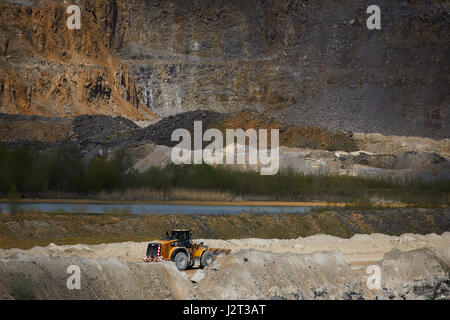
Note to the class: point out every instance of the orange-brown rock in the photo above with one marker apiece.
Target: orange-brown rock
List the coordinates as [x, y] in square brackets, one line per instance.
[47, 69]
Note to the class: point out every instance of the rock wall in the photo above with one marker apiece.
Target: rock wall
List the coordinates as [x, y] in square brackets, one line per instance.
[47, 69]
[306, 62]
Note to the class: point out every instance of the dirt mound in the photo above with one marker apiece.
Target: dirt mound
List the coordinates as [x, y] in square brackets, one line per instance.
[358, 250]
[251, 274]
[421, 274]
[290, 136]
[44, 277]
[100, 128]
[161, 132]
[257, 269]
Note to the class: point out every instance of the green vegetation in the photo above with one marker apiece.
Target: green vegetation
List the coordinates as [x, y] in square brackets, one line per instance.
[29, 229]
[26, 171]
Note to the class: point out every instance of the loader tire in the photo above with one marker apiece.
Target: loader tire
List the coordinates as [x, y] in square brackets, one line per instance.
[181, 260]
[207, 259]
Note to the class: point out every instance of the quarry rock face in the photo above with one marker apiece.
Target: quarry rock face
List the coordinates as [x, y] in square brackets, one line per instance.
[304, 62]
[47, 69]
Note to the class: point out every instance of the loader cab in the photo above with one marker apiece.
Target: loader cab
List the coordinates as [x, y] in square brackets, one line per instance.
[184, 237]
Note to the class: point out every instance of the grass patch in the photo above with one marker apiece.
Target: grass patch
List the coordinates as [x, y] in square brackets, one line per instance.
[26, 230]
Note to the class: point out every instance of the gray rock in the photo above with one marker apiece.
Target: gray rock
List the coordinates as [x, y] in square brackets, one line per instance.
[198, 276]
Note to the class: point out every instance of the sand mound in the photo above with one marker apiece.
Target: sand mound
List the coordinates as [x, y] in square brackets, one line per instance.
[358, 250]
[317, 267]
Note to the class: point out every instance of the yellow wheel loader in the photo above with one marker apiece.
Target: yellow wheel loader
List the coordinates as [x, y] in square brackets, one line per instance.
[179, 248]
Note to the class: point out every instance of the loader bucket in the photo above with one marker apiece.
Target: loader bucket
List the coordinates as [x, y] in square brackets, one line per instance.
[220, 251]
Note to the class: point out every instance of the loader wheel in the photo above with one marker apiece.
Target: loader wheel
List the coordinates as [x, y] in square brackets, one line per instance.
[181, 260]
[207, 259]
